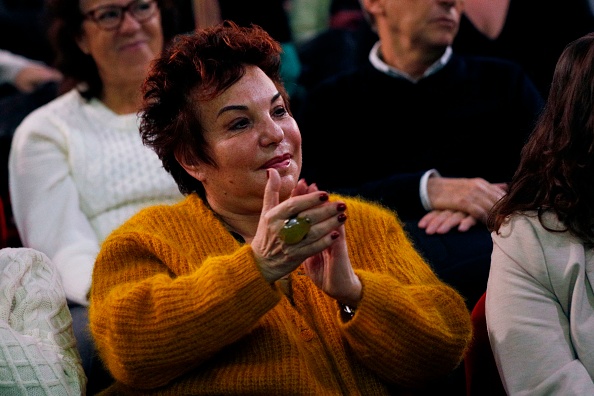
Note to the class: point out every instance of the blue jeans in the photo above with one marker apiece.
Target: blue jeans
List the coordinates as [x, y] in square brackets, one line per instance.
[98, 378]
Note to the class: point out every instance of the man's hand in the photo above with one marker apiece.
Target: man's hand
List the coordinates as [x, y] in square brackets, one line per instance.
[459, 202]
[442, 221]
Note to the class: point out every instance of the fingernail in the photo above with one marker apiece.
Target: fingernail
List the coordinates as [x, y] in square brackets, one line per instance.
[341, 207]
[342, 218]
[323, 197]
[334, 235]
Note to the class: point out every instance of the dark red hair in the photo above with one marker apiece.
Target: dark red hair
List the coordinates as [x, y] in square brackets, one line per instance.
[196, 67]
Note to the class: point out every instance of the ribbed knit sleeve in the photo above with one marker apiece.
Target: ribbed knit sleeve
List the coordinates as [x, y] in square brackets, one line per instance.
[410, 327]
[165, 318]
[178, 306]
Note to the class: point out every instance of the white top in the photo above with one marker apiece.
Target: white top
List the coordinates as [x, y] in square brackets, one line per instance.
[540, 309]
[11, 64]
[77, 171]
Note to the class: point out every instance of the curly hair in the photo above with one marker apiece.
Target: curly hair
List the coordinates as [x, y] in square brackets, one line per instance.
[64, 21]
[556, 170]
[197, 67]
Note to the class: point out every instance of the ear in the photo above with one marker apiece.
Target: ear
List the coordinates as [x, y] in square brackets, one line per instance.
[194, 170]
[83, 43]
[374, 7]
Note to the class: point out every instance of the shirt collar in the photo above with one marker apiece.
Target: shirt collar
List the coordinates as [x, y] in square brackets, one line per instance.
[379, 64]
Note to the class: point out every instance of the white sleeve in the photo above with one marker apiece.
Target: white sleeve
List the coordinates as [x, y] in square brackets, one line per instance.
[425, 201]
[528, 328]
[11, 64]
[45, 202]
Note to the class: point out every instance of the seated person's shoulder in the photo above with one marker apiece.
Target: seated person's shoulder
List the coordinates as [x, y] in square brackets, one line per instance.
[344, 80]
[62, 107]
[489, 65]
[529, 223]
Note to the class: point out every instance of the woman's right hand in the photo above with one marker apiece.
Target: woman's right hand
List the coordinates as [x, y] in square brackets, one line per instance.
[275, 257]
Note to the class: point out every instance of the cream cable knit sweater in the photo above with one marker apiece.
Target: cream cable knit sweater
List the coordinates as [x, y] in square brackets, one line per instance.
[77, 171]
[38, 354]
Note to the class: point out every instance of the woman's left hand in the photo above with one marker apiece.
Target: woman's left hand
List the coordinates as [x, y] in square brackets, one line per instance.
[279, 251]
[323, 249]
[331, 270]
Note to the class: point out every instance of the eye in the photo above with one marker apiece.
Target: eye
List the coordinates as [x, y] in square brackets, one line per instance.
[241, 123]
[279, 111]
[108, 14]
[142, 7]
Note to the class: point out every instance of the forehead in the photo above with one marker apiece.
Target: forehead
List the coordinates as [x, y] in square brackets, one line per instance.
[254, 83]
[255, 88]
[91, 4]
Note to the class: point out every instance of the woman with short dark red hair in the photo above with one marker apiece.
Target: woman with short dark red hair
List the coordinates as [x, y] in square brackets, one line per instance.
[258, 282]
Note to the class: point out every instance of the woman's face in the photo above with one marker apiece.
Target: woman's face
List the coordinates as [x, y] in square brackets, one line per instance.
[123, 54]
[248, 129]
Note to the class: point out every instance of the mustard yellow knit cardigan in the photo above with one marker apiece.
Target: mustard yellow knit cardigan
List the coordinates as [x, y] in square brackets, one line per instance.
[178, 307]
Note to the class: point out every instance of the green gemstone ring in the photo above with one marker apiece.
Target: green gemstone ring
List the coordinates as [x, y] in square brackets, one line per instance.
[295, 229]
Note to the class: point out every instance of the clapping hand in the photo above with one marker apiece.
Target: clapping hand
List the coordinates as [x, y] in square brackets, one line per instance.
[323, 249]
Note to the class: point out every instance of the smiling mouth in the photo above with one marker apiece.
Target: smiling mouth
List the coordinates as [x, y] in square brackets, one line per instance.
[278, 162]
[130, 45]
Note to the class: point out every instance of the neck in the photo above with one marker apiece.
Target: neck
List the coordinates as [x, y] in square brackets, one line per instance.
[244, 224]
[409, 58]
[123, 99]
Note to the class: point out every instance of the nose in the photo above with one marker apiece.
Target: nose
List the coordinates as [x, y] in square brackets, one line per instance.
[456, 5]
[272, 133]
[129, 22]
[450, 3]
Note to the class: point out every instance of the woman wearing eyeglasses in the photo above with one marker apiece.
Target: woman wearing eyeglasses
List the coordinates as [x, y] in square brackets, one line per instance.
[77, 167]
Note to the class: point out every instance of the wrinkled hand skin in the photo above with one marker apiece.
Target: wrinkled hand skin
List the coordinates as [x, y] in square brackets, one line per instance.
[323, 251]
[459, 203]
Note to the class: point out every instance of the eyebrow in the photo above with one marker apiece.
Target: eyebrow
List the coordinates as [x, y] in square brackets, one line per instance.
[241, 107]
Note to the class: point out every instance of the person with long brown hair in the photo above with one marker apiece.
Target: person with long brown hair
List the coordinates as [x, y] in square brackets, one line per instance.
[539, 294]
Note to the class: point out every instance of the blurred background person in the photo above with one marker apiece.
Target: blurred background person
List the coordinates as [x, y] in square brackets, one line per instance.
[77, 166]
[539, 296]
[340, 44]
[413, 120]
[272, 16]
[25, 84]
[23, 25]
[532, 33]
[25, 74]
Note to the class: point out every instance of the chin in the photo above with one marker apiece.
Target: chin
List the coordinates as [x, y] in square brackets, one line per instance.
[288, 183]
